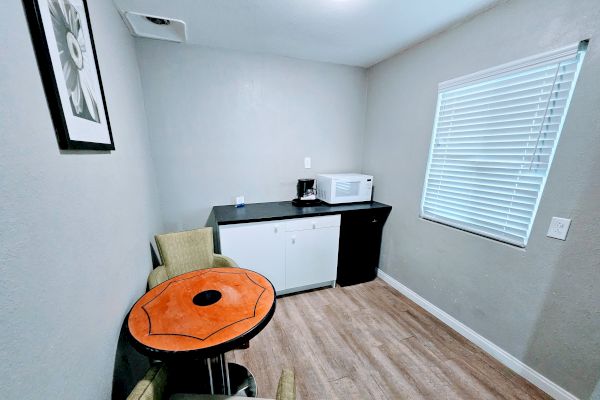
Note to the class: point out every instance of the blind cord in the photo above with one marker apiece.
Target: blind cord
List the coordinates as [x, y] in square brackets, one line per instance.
[537, 143]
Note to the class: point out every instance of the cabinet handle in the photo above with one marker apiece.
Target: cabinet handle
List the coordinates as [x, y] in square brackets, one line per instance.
[374, 221]
[276, 229]
[293, 239]
[314, 225]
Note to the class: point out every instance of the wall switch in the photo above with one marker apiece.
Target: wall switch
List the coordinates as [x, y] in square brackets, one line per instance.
[558, 228]
[239, 201]
[307, 162]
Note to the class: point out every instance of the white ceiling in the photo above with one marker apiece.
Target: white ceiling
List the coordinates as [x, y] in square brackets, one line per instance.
[353, 32]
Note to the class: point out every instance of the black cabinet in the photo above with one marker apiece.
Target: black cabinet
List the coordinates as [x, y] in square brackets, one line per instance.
[360, 244]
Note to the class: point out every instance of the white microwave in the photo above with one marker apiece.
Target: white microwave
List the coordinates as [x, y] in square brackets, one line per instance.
[344, 188]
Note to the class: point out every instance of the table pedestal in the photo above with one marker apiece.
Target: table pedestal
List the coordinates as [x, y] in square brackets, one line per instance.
[241, 381]
[230, 378]
[212, 376]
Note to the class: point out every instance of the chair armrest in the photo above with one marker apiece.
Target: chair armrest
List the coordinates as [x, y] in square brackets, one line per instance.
[221, 261]
[286, 389]
[152, 386]
[157, 276]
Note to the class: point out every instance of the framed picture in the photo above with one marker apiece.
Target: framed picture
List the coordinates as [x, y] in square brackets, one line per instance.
[62, 37]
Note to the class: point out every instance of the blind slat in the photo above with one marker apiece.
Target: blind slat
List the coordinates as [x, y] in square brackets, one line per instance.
[486, 190]
[495, 135]
[486, 185]
[492, 152]
[487, 163]
[501, 219]
[485, 196]
[539, 115]
[497, 160]
[470, 172]
[496, 108]
[512, 213]
[545, 91]
[450, 131]
[507, 101]
[489, 201]
[515, 116]
[500, 146]
[493, 179]
[492, 141]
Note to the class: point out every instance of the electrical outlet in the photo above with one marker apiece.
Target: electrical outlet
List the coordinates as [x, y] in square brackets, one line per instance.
[558, 228]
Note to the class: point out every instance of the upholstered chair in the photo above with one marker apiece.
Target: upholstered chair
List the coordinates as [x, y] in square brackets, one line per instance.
[186, 251]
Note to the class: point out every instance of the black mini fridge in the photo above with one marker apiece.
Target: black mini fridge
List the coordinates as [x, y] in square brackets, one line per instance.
[360, 245]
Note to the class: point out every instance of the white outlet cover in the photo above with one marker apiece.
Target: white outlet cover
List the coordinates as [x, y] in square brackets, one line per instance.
[239, 201]
[558, 228]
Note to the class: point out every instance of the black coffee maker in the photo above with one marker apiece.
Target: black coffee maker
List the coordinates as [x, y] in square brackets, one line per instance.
[306, 193]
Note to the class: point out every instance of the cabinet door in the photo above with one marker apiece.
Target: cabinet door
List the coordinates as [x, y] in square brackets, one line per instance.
[311, 256]
[258, 246]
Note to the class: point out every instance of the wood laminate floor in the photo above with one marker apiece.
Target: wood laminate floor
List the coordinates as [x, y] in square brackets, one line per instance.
[370, 342]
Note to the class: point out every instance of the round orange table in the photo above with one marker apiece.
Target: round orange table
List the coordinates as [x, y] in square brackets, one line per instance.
[201, 315]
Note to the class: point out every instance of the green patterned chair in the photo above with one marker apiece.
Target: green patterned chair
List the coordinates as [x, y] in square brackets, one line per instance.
[155, 386]
[186, 251]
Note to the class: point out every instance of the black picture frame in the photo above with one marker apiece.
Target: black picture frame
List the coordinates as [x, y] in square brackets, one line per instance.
[49, 80]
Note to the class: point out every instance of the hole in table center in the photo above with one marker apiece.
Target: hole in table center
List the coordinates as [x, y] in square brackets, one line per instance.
[207, 297]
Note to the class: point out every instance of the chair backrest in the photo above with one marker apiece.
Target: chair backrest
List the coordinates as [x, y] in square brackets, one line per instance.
[186, 251]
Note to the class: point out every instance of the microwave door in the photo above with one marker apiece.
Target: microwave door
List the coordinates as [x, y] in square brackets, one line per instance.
[347, 191]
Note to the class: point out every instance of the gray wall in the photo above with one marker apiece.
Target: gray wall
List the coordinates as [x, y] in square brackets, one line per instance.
[540, 304]
[227, 123]
[74, 227]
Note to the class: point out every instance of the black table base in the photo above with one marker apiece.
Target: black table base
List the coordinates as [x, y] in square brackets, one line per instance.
[241, 381]
[211, 376]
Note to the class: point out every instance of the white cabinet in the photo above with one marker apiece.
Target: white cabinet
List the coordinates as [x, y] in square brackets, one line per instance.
[259, 246]
[311, 257]
[294, 254]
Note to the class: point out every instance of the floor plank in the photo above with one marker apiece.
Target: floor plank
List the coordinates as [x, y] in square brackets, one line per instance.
[368, 341]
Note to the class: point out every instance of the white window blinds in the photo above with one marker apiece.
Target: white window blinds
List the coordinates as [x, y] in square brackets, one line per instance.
[494, 137]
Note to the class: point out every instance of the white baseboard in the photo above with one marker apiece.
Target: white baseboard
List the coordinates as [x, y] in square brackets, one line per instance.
[499, 354]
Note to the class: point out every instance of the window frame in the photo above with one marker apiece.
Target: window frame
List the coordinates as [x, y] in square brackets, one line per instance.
[578, 50]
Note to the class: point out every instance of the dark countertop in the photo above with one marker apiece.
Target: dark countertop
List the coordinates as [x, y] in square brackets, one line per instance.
[224, 215]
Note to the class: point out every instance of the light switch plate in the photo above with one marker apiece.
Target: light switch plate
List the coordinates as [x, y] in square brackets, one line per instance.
[558, 228]
[307, 162]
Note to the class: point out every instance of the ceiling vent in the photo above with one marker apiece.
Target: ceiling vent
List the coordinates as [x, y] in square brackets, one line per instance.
[155, 27]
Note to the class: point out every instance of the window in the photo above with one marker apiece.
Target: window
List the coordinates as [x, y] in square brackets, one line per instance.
[494, 137]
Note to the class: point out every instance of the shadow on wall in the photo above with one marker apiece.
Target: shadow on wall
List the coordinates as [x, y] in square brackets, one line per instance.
[566, 336]
[155, 259]
[130, 365]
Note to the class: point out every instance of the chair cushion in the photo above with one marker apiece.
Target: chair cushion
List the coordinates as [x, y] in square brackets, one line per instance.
[286, 389]
[187, 251]
[152, 386]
